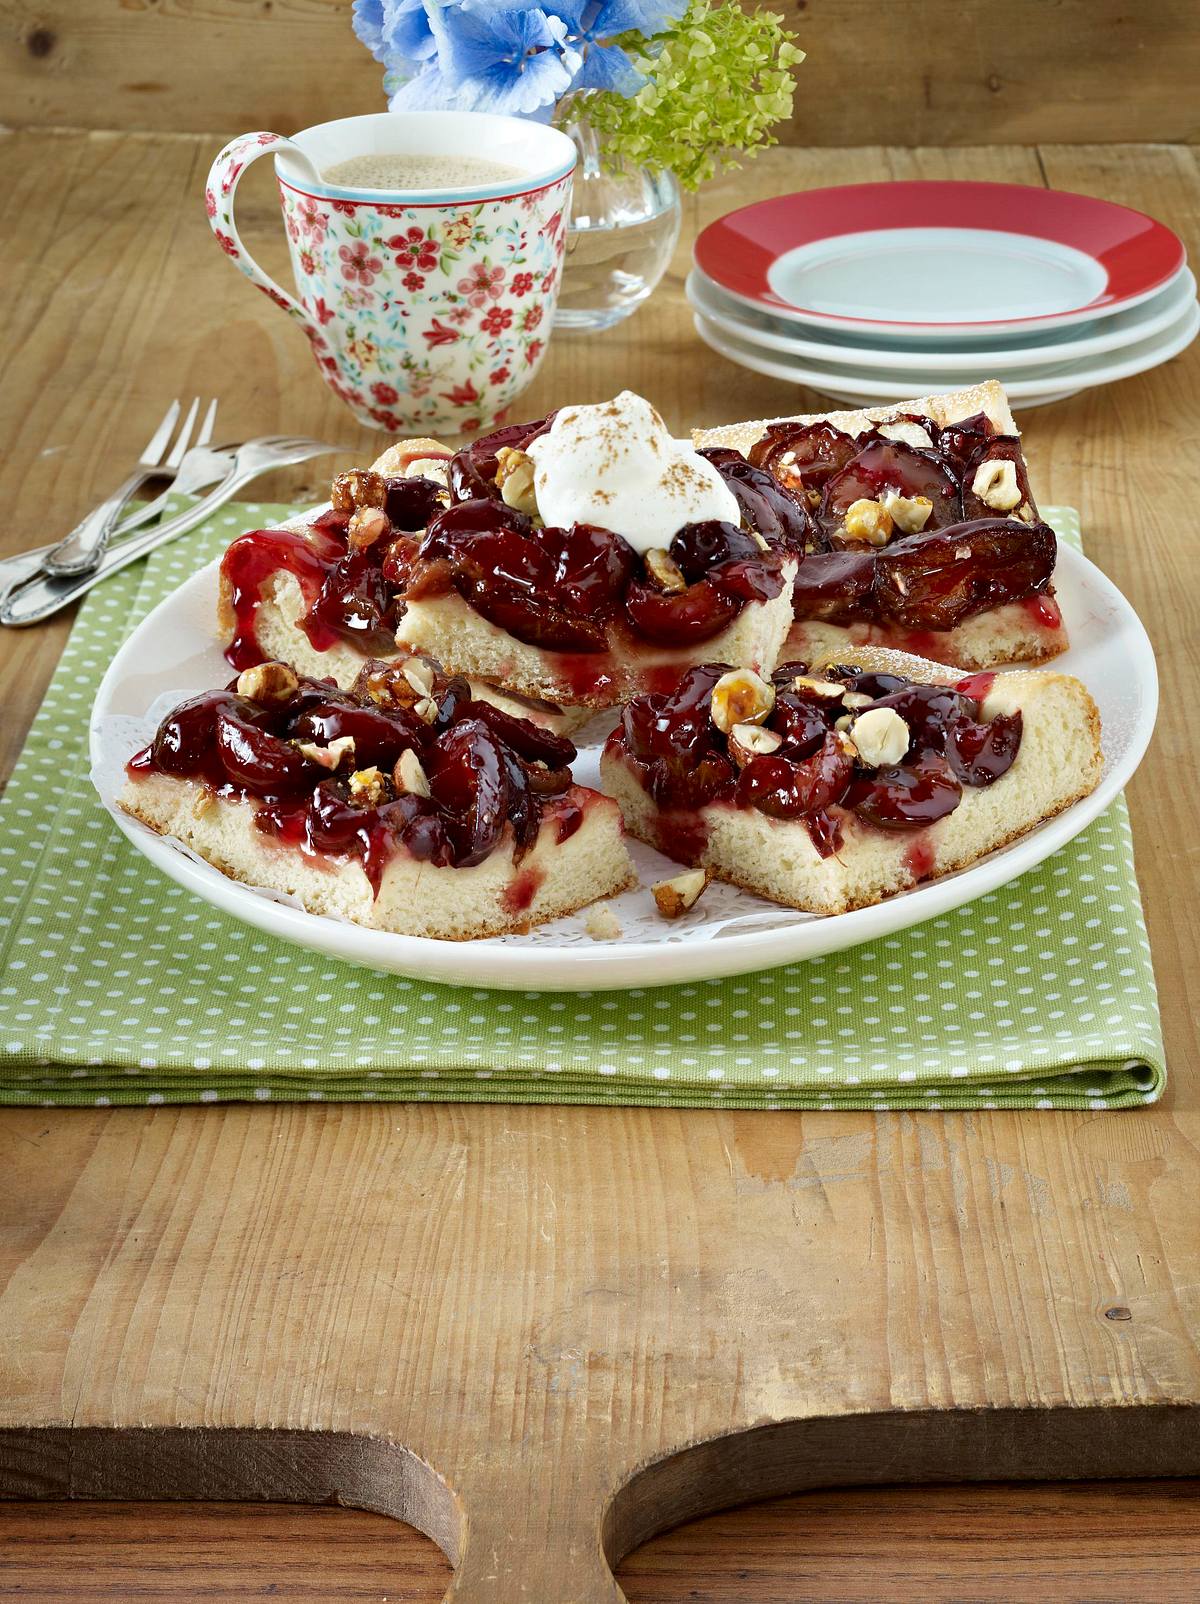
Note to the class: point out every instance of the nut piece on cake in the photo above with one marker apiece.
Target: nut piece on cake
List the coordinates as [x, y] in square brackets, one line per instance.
[868, 775]
[460, 825]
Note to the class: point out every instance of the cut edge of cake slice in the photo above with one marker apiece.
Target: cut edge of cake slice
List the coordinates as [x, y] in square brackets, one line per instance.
[1059, 762]
[281, 638]
[554, 878]
[467, 643]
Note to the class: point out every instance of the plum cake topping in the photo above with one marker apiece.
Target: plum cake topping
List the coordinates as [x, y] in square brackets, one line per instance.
[894, 752]
[911, 523]
[406, 759]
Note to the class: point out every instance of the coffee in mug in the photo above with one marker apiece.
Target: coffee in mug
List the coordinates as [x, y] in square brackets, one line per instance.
[408, 170]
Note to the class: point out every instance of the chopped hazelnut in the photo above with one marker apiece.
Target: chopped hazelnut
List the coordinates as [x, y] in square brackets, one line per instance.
[367, 526]
[747, 741]
[910, 514]
[426, 709]
[368, 787]
[741, 697]
[664, 570]
[881, 737]
[268, 682]
[409, 777]
[514, 479]
[856, 699]
[420, 675]
[907, 432]
[602, 923]
[361, 487]
[328, 757]
[867, 521]
[995, 483]
[202, 802]
[825, 690]
[674, 897]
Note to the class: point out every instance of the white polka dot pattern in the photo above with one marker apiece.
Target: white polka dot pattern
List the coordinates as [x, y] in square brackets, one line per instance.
[119, 988]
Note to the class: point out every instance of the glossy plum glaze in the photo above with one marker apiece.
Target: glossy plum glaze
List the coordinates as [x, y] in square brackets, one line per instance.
[350, 593]
[965, 559]
[685, 762]
[485, 769]
[585, 591]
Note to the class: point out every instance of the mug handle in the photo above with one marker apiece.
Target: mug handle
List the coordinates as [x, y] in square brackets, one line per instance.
[223, 178]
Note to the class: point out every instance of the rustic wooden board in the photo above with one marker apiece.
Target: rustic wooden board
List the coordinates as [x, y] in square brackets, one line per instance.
[541, 1334]
[904, 72]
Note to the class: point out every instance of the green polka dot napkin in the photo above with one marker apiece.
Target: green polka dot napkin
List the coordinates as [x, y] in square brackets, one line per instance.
[118, 987]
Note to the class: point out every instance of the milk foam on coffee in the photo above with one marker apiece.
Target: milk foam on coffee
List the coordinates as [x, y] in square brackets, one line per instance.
[404, 172]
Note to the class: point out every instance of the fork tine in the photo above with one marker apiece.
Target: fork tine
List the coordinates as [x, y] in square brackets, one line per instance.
[185, 434]
[206, 429]
[152, 455]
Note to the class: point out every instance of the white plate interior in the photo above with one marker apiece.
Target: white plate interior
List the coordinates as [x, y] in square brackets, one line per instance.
[842, 376]
[1001, 361]
[937, 275]
[947, 336]
[173, 653]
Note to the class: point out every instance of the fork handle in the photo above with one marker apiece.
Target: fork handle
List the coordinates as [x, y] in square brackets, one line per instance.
[79, 551]
[45, 596]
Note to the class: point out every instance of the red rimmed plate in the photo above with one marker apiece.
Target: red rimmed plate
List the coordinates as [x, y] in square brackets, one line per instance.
[952, 259]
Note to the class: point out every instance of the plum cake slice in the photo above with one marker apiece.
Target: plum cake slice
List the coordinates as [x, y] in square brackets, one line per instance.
[922, 531]
[320, 592]
[578, 559]
[832, 787]
[403, 804]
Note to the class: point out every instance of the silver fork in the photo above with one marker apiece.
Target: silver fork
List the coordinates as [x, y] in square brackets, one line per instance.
[82, 549]
[44, 595]
[199, 471]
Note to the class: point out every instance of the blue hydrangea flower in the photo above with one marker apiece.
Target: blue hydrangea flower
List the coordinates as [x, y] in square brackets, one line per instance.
[396, 32]
[591, 22]
[512, 58]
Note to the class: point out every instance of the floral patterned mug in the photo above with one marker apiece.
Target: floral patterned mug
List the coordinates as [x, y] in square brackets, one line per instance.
[425, 310]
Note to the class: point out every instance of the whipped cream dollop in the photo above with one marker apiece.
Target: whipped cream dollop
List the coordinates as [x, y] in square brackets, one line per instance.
[617, 465]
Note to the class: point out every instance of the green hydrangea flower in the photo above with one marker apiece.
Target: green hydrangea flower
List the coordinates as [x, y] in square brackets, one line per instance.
[720, 81]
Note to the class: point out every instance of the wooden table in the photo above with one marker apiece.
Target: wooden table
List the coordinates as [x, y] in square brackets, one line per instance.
[907, 1297]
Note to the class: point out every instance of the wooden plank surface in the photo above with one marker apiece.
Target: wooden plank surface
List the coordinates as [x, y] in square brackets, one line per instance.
[1065, 1541]
[538, 1302]
[902, 72]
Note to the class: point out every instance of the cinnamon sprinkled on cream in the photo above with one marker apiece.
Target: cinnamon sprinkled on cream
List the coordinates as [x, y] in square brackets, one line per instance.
[617, 465]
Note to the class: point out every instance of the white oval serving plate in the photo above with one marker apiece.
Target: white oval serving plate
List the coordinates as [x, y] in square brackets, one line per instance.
[173, 653]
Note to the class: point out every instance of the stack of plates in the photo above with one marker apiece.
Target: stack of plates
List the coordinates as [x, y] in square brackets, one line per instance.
[877, 292]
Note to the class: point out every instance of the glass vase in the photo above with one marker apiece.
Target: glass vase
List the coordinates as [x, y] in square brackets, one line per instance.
[623, 228]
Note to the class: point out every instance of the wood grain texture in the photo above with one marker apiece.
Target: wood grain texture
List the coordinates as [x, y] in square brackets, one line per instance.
[1065, 1541]
[501, 1323]
[904, 72]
